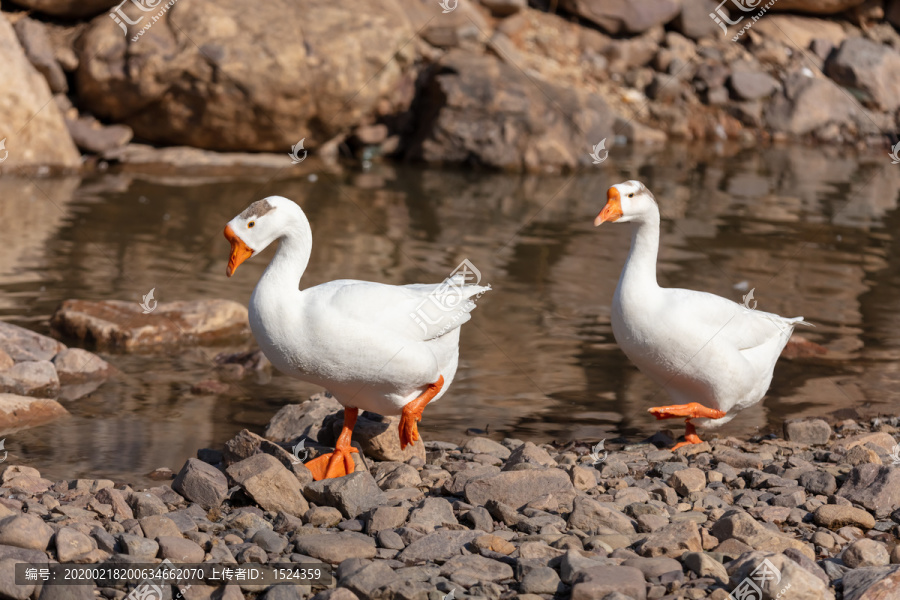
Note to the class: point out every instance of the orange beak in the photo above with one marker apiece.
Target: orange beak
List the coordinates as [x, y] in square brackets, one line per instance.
[239, 251]
[613, 209]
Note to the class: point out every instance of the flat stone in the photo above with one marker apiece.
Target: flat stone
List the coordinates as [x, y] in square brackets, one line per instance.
[36, 379]
[352, 494]
[537, 579]
[270, 484]
[121, 325]
[818, 482]
[74, 366]
[137, 546]
[742, 527]
[438, 546]
[517, 488]
[469, 569]
[753, 85]
[590, 516]
[653, 566]
[706, 566]
[179, 550]
[599, 581]
[323, 516]
[201, 483]
[336, 547]
[812, 432]
[687, 481]
[145, 504]
[530, 456]
[835, 516]
[363, 577]
[433, 513]
[386, 517]
[482, 445]
[21, 412]
[24, 345]
[269, 541]
[159, 525]
[25, 531]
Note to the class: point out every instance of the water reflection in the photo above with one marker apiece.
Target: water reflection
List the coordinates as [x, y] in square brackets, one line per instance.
[812, 232]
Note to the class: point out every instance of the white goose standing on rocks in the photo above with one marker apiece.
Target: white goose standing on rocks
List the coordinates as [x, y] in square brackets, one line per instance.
[713, 356]
[388, 349]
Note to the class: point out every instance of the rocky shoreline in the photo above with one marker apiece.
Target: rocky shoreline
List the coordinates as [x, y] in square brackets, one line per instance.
[502, 84]
[816, 512]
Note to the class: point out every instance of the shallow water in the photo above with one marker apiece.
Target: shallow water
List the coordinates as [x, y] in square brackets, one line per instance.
[812, 231]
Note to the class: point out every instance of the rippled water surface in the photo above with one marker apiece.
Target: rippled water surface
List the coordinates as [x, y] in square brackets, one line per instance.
[813, 232]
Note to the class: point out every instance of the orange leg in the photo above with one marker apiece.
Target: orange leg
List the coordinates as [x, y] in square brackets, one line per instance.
[339, 462]
[690, 411]
[412, 412]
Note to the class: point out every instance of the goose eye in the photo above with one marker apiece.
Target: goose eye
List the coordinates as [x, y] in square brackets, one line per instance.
[631, 195]
[251, 224]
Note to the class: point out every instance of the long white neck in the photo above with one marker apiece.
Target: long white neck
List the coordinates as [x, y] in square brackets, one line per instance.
[291, 258]
[640, 268]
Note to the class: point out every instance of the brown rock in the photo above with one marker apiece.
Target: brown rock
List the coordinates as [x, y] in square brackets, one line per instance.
[378, 437]
[74, 365]
[865, 553]
[34, 137]
[874, 487]
[270, 484]
[123, 326]
[742, 527]
[294, 421]
[20, 412]
[814, 432]
[517, 488]
[348, 64]
[673, 540]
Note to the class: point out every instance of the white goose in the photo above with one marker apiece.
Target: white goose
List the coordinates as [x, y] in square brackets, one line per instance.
[383, 348]
[713, 356]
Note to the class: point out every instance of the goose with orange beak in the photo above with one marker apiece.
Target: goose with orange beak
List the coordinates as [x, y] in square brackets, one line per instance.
[388, 349]
[714, 357]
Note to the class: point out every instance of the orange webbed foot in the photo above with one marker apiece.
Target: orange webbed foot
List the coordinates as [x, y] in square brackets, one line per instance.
[412, 412]
[334, 464]
[690, 437]
[692, 410]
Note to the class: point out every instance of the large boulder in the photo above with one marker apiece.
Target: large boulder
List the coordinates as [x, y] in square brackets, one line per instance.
[34, 133]
[870, 70]
[480, 110]
[20, 412]
[808, 105]
[69, 9]
[213, 74]
[625, 16]
[127, 326]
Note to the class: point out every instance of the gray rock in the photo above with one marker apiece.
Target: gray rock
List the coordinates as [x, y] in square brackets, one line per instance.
[352, 494]
[807, 105]
[706, 566]
[818, 482]
[592, 517]
[794, 580]
[874, 487]
[92, 136]
[599, 581]
[270, 484]
[8, 587]
[72, 544]
[299, 592]
[518, 488]
[145, 504]
[363, 577]
[625, 16]
[378, 437]
[742, 527]
[432, 513]
[438, 546]
[870, 582]
[116, 499]
[693, 21]
[538, 579]
[269, 541]
[179, 550]
[870, 69]
[201, 483]
[753, 85]
[481, 445]
[295, 421]
[68, 592]
[865, 553]
[246, 444]
[137, 546]
[687, 481]
[387, 517]
[653, 567]
[336, 547]
[812, 432]
[35, 379]
[396, 475]
[390, 539]
[159, 525]
[528, 455]
[469, 569]
[25, 531]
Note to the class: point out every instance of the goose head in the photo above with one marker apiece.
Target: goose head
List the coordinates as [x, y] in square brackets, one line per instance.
[628, 201]
[259, 225]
